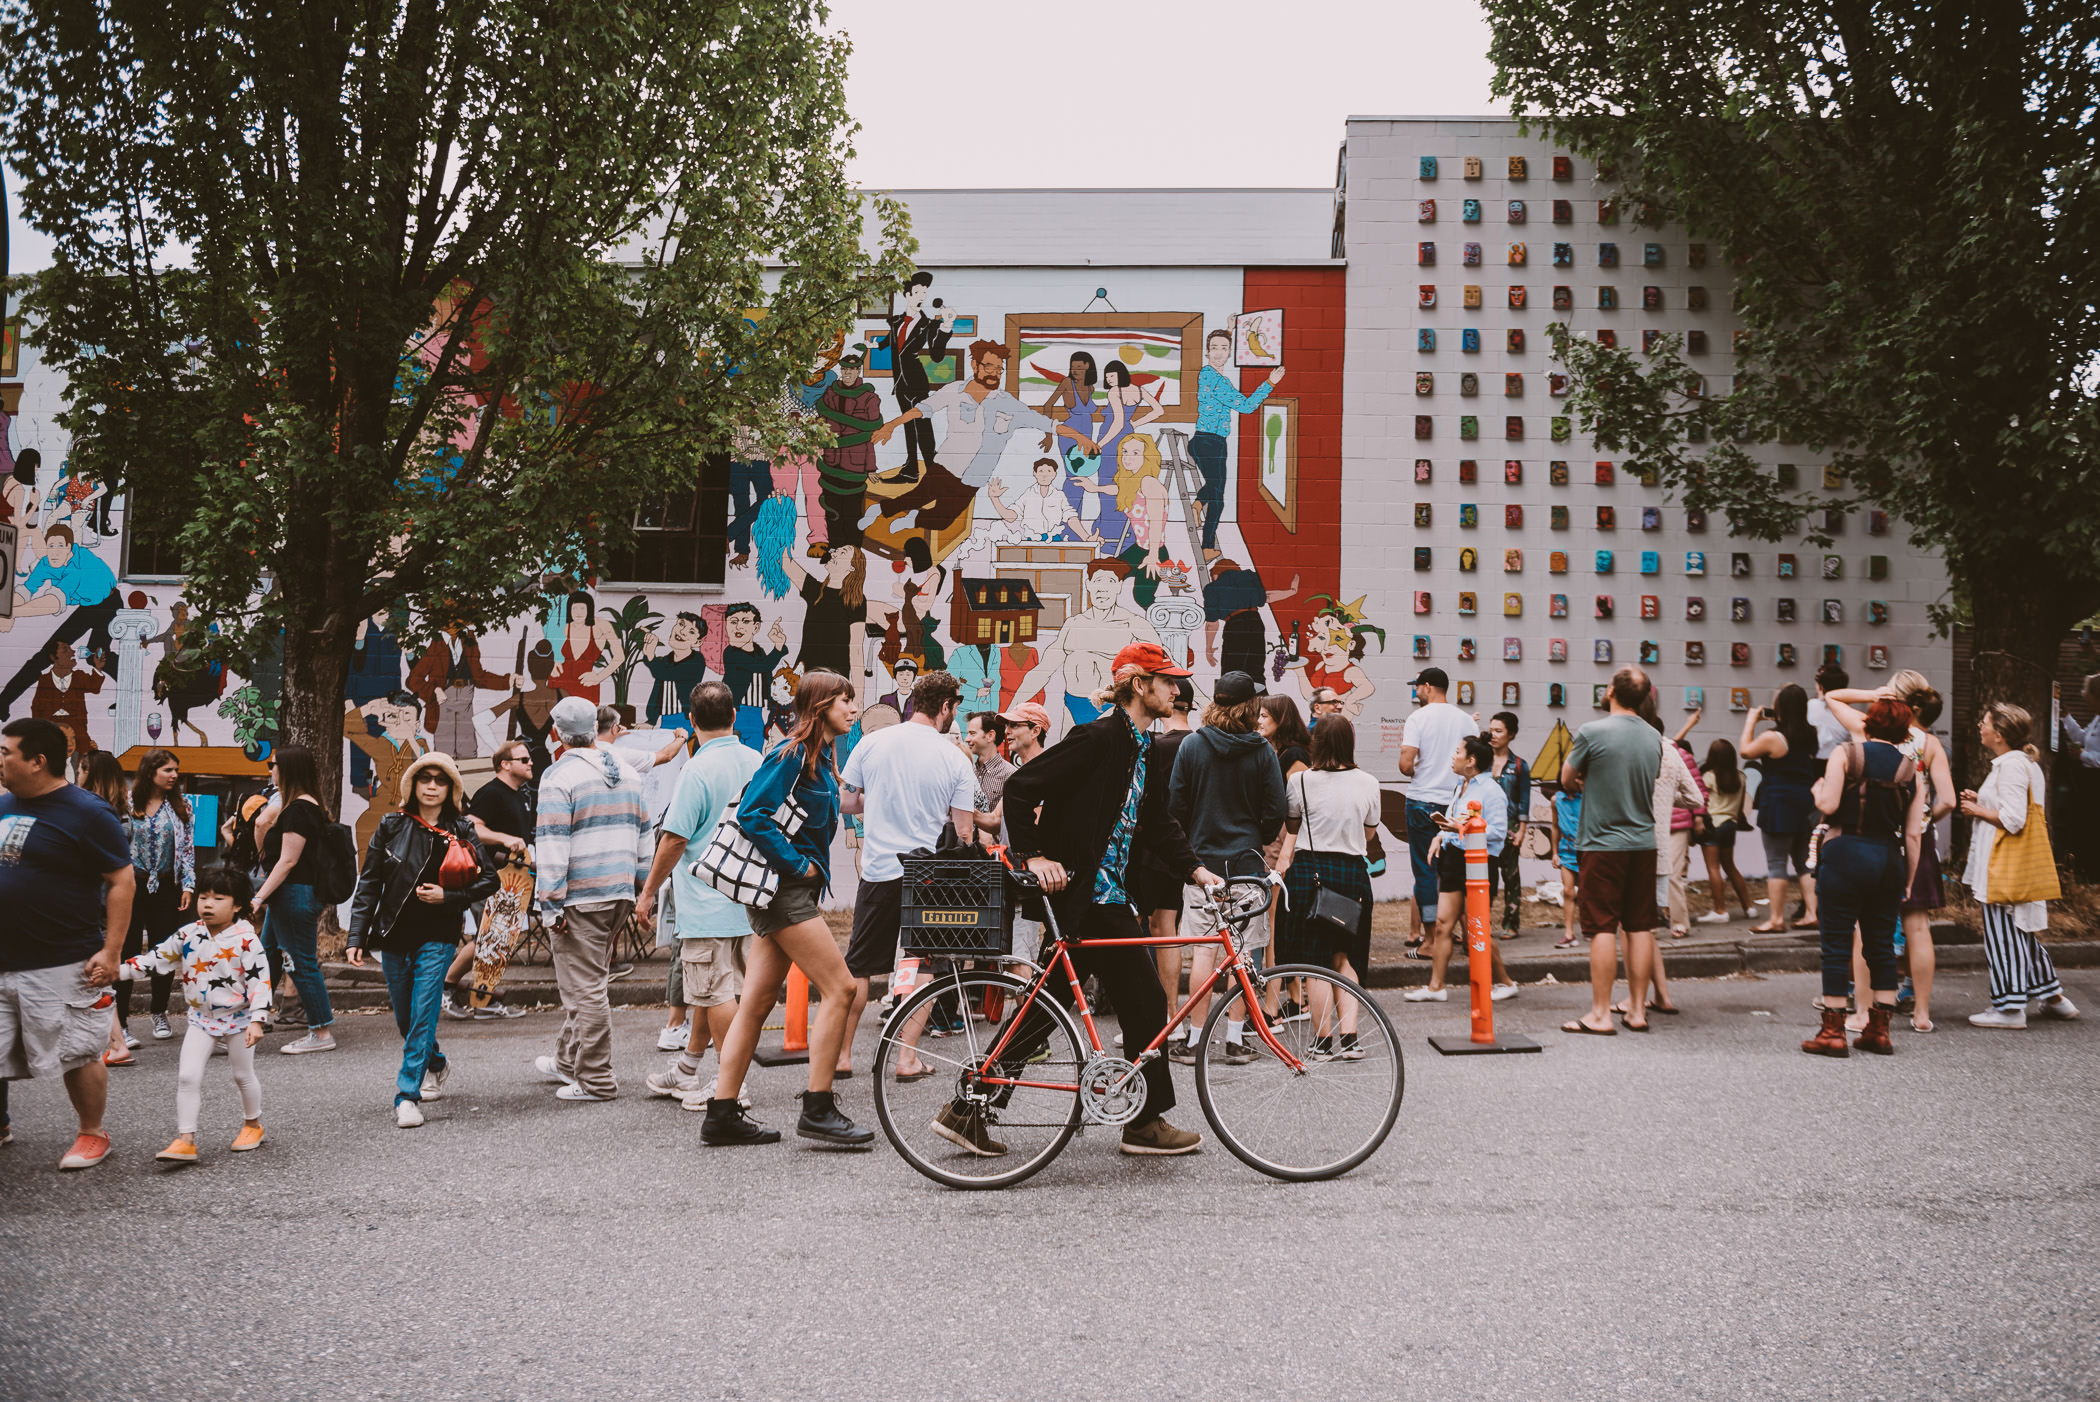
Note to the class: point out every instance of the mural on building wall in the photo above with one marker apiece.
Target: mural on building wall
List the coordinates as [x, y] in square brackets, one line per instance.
[1014, 510]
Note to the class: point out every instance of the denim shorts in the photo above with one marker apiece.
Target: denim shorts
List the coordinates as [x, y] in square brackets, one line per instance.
[796, 903]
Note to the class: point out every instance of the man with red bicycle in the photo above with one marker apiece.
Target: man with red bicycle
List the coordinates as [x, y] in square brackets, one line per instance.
[1103, 806]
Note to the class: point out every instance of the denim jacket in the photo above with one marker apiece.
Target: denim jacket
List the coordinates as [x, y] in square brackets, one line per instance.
[780, 775]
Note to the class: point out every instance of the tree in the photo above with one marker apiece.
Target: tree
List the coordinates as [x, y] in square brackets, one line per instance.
[1909, 195]
[413, 301]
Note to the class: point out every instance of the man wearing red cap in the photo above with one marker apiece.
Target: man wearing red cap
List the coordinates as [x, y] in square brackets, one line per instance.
[1102, 807]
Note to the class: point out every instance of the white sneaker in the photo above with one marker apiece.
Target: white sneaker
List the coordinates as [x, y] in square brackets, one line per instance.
[434, 1083]
[671, 1039]
[2059, 1006]
[572, 1091]
[1716, 917]
[699, 1098]
[554, 1074]
[312, 1042]
[1502, 992]
[407, 1114]
[2011, 1019]
[671, 1082]
[1427, 995]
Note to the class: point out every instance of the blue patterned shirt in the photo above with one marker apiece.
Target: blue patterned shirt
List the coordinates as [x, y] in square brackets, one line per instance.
[1115, 861]
[1217, 400]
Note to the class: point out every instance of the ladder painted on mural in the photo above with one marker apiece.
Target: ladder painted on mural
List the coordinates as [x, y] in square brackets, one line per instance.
[1181, 473]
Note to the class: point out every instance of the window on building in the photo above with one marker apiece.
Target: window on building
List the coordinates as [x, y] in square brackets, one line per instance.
[150, 548]
[680, 536]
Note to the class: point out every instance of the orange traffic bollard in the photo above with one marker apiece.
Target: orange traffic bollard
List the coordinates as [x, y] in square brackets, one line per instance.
[795, 1036]
[1479, 966]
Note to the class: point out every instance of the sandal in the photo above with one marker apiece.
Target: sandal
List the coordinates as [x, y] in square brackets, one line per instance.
[904, 1079]
[1578, 1025]
[1806, 924]
[1632, 1026]
[1925, 1026]
[1768, 929]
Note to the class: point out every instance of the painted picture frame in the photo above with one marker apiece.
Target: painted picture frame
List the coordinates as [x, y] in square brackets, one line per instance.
[1276, 462]
[1167, 348]
[1257, 337]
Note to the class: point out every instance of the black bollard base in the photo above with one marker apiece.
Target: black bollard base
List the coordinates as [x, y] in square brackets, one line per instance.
[1466, 1046]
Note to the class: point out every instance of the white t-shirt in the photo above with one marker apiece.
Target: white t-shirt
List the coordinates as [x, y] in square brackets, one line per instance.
[912, 775]
[1336, 806]
[1434, 731]
[1830, 731]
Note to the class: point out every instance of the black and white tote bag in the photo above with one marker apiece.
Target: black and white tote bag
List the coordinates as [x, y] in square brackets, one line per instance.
[733, 865]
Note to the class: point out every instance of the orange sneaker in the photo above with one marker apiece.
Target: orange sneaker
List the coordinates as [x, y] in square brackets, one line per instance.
[87, 1151]
[179, 1151]
[250, 1137]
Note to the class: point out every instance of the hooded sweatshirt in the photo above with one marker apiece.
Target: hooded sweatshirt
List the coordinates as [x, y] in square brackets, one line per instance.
[1228, 796]
[593, 838]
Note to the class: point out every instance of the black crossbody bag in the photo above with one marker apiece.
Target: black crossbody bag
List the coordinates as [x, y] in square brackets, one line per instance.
[1329, 906]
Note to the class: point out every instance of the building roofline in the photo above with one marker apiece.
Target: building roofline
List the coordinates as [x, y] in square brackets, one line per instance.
[1100, 190]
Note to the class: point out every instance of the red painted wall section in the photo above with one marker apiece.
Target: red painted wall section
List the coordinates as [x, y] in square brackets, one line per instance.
[1314, 302]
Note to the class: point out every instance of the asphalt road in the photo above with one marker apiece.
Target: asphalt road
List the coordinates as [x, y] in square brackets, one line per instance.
[1699, 1213]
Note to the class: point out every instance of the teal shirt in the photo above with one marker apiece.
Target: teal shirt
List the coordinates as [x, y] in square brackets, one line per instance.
[708, 788]
[1619, 758]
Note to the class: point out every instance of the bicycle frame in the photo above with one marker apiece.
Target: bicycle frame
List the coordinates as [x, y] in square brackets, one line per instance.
[1233, 965]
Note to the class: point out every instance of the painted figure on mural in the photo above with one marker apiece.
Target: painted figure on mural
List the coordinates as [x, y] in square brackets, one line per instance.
[1217, 400]
[590, 650]
[675, 668]
[750, 483]
[62, 693]
[773, 530]
[1141, 503]
[1128, 409]
[780, 704]
[854, 409]
[976, 666]
[375, 671]
[1076, 443]
[836, 610]
[982, 419]
[80, 503]
[392, 751]
[1232, 605]
[531, 709]
[747, 668]
[444, 679]
[915, 332]
[1084, 650]
[911, 629]
[67, 578]
[1041, 512]
[801, 399]
[183, 677]
[1335, 641]
[1016, 661]
[903, 677]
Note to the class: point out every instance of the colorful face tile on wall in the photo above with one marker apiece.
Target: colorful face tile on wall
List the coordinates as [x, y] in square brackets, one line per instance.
[1783, 610]
[1563, 298]
[1519, 255]
[1651, 298]
[1556, 649]
[1468, 383]
[1519, 167]
[1651, 607]
[1833, 521]
[1563, 211]
[1557, 562]
[1516, 298]
[1513, 561]
[1470, 211]
[1422, 509]
[1517, 212]
[1604, 562]
[1563, 255]
[1695, 255]
[1513, 516]
[1651, 562]
[1787, 475]
[1469, 339]
[1513, 340]
[1695, 698]
[1468, 650]
[1563, 168]
[1558, 427]
[1468, 558]
[1607, 518]
[1739, 698]
[1607, 255]
[1695, 563]
[1739, 609]
[1651, 255]
[1423, 425]
[1512, 692]
[1425, 254]
[1694, 609]
[1468, 426]
[1833, 655]
[1651, 518]
[1695, 653]
[1468, 603]
[1877, 524]
[1695, 299]
[1650, 652]
[1557, 606]
[1650, 339]
[1513, 428]
[1556, 694]
[1425, 167]
[1604, 476]
[1557, 472]
[1605, 607]
[1425, 338]
[1878, 656]
[1739, 654]
[1608, 301]
[1512, 607]
[1833, 611]
[1468, 515]
[1607, 337]
[1421, 646]
[1422, 557]
[1833, 567]
[1471, 297]
[1465, 693]
[1513, 471]
[1877, 611]
[1425, 211]
[1425, 382]
[1424, 470]
[1786, 566]
[1739, 565]
[1607, 212]
[1468, 470]
[1557, 385]
[1472, 167]
[1469, 255]
[1598, 696]
[1695, 524]
[1833, 480]
[1877, 567]
[1600, 648]
[1421, 601]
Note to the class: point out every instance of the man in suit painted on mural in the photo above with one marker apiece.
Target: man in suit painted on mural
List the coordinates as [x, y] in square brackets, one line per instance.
[444, 679]
[913, 333]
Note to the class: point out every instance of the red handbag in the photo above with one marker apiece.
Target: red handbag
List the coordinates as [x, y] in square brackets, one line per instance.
[459, 867]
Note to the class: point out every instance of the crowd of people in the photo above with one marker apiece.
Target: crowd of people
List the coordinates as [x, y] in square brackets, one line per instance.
[1125, 822]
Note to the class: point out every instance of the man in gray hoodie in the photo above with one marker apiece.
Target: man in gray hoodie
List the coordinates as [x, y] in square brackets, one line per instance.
[1227, 794]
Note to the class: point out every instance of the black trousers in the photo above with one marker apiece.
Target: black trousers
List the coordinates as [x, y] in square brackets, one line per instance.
[154, 916]
[1130, 979]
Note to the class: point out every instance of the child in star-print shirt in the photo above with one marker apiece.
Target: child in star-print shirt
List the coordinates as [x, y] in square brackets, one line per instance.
[226, 982]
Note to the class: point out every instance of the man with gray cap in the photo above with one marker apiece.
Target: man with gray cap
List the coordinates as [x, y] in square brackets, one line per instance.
[1427, 741]
[1227, 794]
[593, 849]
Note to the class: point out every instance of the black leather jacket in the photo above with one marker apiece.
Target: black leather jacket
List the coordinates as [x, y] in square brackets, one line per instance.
[399, 851]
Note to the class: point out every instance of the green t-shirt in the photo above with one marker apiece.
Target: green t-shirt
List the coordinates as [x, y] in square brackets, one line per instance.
[1619, 758]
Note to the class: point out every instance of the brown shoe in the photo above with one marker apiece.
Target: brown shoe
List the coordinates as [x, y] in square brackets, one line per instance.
[1830, 1041]
[1875, 1036]
[1159, 1137]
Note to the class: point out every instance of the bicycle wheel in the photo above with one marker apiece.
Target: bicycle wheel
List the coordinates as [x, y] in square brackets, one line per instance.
[1334, 1110]
[933, 1121]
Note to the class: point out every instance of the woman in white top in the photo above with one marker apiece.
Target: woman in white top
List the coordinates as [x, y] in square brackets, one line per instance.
[1333, 814]
[2023, 979]
[1474, 763]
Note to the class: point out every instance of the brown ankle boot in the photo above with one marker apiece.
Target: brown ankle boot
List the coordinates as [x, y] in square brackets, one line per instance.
[1831, 1040]
[1874, 1037]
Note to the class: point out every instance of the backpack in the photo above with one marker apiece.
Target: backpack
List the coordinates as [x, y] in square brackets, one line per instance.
[242, 850]
[336, 879]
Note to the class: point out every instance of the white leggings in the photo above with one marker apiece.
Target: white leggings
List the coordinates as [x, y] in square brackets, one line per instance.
[189, 1076]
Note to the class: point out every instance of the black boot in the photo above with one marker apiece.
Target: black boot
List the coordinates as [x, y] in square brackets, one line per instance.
[822, 1121]
[726, 1123]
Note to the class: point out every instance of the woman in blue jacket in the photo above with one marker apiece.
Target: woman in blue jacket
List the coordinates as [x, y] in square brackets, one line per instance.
[792, 930]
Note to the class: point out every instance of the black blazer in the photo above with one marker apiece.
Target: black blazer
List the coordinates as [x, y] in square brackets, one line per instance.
[399, 851]
[926, 337]
[1081, 783]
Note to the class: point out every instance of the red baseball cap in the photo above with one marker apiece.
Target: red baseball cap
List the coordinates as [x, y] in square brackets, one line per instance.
[1149, 658]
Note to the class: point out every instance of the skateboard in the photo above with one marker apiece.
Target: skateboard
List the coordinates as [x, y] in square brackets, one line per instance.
[502, 924]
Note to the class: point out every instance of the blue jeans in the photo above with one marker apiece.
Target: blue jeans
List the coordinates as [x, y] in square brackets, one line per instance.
[291, 928]
[415, 984]
[1421, 831]
[1208, 450]
[1859, 881]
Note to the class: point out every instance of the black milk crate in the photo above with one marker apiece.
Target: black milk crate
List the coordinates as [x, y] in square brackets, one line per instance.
[956, 907]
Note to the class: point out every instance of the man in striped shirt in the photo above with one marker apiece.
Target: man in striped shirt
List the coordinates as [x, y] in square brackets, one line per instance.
[593, 849]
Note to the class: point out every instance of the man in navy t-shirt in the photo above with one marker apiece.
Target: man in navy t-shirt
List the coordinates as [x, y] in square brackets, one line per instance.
[59, 846]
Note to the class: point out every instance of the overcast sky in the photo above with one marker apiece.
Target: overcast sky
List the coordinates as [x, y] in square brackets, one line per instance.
[1226, 92]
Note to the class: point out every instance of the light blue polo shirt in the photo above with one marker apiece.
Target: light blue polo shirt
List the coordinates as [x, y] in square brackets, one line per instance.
[708, 789]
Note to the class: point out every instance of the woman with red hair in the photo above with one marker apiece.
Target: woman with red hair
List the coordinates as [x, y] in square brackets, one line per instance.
[1870, 795]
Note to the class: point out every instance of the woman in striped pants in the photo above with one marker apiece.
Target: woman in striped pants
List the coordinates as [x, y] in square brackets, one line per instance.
[2023, 979]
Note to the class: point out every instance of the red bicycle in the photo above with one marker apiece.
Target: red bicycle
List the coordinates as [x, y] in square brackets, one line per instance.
[1002, 1097]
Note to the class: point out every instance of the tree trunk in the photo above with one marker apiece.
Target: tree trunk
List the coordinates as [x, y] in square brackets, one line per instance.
[316, 669]
[2019, 623]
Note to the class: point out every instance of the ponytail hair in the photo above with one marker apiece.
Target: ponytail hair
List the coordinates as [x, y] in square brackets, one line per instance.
[2014, 725]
